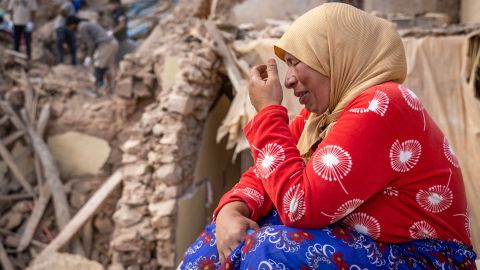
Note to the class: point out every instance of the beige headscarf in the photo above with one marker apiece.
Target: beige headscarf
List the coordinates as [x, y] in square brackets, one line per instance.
[354, 49]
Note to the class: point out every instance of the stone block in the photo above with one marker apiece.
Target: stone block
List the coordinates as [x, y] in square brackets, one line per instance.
[180, 104]
[163, 234]
[168, 173]
[79, 154]
[166, 259]
[124, 88]
[127, 216]
[127, 241]
[134, 193]
[169, 138]
[131, 170]
[127, 158]
[169, 72]
[158, 129]
[162, 222]
[163, 208]
[130, 146]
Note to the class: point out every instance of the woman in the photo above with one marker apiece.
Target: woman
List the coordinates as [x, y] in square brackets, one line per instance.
[363, 169]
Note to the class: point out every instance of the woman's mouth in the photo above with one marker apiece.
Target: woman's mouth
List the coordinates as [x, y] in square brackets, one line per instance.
[302, 98]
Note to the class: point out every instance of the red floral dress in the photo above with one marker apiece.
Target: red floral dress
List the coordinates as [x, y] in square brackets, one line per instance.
[385, 169]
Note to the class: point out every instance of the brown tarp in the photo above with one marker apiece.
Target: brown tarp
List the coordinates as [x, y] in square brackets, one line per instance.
[441, 71]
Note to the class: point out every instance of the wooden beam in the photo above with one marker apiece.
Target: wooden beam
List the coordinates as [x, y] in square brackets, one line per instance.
[6, 263]
[35, 218]
[17, 236]
[52, 175]
[3, 120]
[13, 137]
[15, 197]
[7, 108]
[16, 54]
[234, 73]
[85, 213]
[9, 160]
[43, 119]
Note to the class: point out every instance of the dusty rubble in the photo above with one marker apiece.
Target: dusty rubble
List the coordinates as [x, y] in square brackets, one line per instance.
[122, 210]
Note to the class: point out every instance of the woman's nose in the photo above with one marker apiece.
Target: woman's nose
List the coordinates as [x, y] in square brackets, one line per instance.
[290, 79]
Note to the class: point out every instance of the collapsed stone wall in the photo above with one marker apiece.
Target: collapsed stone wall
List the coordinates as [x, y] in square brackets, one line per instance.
[159, 158]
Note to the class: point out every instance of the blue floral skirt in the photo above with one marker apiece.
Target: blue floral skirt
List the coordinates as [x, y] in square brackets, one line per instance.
[275, 246]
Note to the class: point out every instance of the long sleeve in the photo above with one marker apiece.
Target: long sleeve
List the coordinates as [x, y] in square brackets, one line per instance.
[250, 189]
[346, 169]
[85, 33]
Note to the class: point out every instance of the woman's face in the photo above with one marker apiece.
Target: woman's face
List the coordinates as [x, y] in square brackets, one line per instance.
[311, 87]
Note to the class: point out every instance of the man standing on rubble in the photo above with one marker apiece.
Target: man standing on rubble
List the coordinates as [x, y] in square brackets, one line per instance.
[101, 47]
[63, 34]
[22, 14]
[119, 30]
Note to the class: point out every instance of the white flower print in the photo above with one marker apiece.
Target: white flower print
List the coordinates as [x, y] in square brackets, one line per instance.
[437, 198]
[318, 253]
[268, 159]
[378, 104]
[344, 209]
[467, 221]
[271, 265]
[294, 203]
[404, 156]
[422, 230]
[332, 163]
[364, 224]
[251, 193]
[390, 191]
[449, 153]
[413, 101]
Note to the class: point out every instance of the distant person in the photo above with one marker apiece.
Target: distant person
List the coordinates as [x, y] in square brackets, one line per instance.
[101, 47]
[63, 34]
[22, 14]
[119, 31]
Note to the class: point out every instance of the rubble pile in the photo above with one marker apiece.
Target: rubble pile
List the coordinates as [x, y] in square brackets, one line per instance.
[48, 102]
[159, 159]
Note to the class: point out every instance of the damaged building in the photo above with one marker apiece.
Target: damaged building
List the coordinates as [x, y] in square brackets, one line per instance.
[129, 181]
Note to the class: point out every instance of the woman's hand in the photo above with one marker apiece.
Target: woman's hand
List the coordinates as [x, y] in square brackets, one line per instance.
[232, 224]
[264, 86]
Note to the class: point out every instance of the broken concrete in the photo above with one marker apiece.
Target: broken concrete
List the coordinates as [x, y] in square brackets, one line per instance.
[79, 154]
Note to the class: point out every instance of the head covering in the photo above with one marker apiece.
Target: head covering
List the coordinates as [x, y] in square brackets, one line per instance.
[354, 49]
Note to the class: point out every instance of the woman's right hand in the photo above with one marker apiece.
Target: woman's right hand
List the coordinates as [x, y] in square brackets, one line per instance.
[232, 224]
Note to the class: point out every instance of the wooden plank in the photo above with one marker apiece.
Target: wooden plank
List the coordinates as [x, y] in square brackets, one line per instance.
[41, 127]
[213, 10]
[6, 263]
[3, 120]
[16, 54]
[85, 213]
[15, 197]
[28, 94]
[52, 175]
[34, 242]
[7, 108]
[13, 137]
[35, 218]
[234, 73]
[43, 119]
[9, 160]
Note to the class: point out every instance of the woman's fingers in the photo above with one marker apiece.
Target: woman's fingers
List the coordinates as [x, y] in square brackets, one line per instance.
[253, 225]
[272, 69]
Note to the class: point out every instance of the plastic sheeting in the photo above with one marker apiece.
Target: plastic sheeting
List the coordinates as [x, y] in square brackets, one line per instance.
[441, 72]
